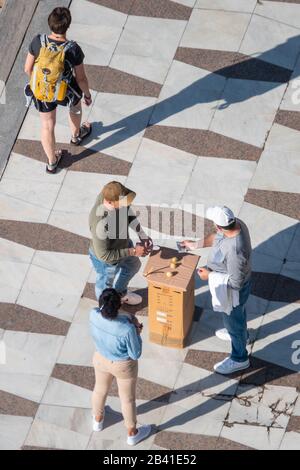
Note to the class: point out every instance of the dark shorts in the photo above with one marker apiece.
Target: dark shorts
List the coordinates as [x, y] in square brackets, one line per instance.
[71, 100]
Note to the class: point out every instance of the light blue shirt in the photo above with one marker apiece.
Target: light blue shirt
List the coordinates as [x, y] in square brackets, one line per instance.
[117, 339]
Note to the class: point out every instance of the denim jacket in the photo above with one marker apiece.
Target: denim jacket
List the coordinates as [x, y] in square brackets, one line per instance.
[117, 339]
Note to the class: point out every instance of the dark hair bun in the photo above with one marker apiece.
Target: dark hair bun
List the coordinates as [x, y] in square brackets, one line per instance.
[109, 303]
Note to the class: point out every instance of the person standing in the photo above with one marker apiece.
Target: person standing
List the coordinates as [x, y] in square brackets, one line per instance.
[112, 253]
[118, 348]
[57, 77]
[231, 255]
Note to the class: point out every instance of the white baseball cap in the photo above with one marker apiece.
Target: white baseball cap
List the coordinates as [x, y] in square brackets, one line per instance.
[222, 216]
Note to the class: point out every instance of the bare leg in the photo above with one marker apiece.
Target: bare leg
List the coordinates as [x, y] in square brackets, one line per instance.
[75, 116]
[48, 121]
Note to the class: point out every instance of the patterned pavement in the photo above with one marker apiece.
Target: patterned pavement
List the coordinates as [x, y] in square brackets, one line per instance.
[194, 102]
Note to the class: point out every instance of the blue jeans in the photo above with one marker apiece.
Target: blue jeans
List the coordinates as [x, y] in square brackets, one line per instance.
[114, 275]
[236, 325]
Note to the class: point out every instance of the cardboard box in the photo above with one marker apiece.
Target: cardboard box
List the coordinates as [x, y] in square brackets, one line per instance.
[171, 299]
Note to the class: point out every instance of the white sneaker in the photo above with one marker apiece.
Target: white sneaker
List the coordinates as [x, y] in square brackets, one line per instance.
[131, 299]
[143, 432]
[228, 366]
[98, 425]
[225, 336]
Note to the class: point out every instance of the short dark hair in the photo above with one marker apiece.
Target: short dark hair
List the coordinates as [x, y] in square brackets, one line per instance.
[59, 20]
[228, 227]
[109, 303]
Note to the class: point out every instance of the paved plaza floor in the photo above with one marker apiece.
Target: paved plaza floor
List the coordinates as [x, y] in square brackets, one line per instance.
[194, 102]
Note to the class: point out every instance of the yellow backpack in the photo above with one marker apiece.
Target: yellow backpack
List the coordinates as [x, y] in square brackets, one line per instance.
[47, 80]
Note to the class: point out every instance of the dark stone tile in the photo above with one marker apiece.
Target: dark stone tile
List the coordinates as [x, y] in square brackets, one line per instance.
[17, 318]
[288, 118]
[84, 377]
[24, 233]
[203, 143]
[262, 373]
[287, 290]
[55, 239]
[263, 284]
[89, 291]
[204, 359]
[108, 80]
[16, 406]
[119, 5]
[185, 441]
[77, 158]
[161, 9]
[37, 448]
[233, 65]
[283, 1]
[277, 201]
[275, 287]
[43, 237]
[147, 390]
[294, 424]
[227, 444]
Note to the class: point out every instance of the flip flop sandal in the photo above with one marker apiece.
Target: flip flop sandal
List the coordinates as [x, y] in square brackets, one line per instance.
[84, 132]
[52, 167]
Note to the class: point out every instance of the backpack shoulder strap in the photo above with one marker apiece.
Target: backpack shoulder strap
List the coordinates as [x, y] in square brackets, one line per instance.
[43, 38]
[68, 45]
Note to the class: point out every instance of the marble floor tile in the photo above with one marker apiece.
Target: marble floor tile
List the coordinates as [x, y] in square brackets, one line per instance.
[13, 431]
[283, 12]
[227, 5]
[28, 386]
[211, 29]
[247, 110]
[290, 441]
[29, 354]
[60, 428]
[211, 182]
[258, 437]
[60, 393]
[54, 283]
[147, 47]
[269, 406]
[119, 122]
[97, 30]
[271, 233]
[19, 201]
[70, 353]
[23, 168]
[189, 97]
[149, 183]
[206, 417]
[271, 41]
[277, 171]
[283, 139]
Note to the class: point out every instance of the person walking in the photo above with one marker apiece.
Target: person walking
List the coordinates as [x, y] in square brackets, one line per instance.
[231, 256]
[57, 77]
[112, 253]
[118, 348]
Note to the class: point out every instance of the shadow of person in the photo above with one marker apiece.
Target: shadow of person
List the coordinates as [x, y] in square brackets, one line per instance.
[265, 76]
